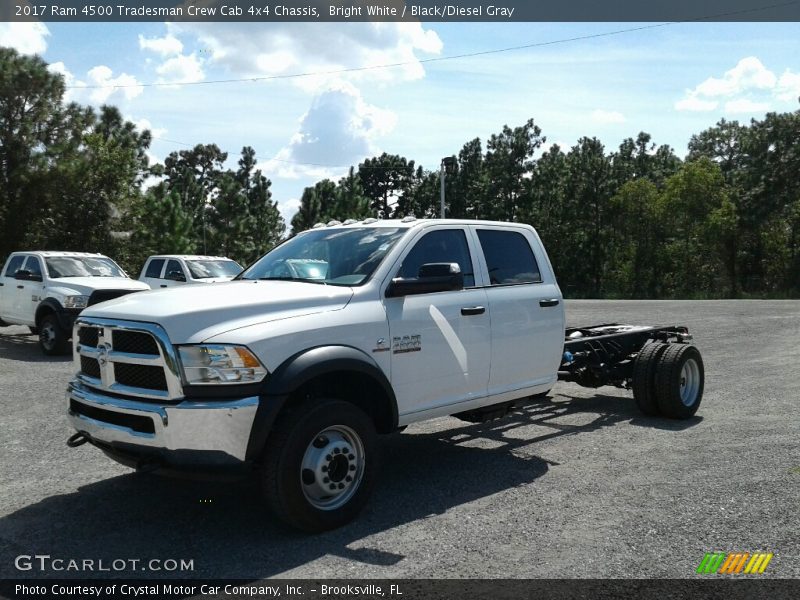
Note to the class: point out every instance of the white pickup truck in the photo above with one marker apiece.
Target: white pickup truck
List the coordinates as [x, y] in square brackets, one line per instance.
[168, 270]
[395, 322]
[46, 290]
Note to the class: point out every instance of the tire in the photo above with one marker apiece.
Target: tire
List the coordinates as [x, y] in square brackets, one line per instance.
[52, 339]
[644, 378]
[304, 456]
[679, 381]
[33, 330]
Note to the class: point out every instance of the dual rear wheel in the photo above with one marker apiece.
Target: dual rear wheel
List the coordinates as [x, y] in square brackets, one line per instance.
[668, 380]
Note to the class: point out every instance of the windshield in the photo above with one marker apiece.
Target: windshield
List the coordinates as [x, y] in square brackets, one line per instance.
[202, 269]
[329, 256]
[82, 266]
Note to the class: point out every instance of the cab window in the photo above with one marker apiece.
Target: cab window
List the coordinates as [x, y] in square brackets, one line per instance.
[443, 246]
[154, 268]
[509, 257]
[34, 266]
[14, 265]
[173, 266]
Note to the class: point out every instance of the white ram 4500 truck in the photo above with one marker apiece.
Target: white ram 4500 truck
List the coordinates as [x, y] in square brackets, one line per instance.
[397, 322]
[46, 290]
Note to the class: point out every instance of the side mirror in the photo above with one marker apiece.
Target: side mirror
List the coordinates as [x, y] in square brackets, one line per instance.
[24, 275]
[176, 276]
[432, 278]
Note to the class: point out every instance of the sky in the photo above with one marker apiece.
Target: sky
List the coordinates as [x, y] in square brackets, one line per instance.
[615, 80]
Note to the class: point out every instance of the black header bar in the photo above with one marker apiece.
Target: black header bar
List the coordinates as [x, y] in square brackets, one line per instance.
[399, 10]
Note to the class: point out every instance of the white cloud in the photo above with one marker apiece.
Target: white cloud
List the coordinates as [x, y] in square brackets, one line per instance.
[168, 45]
[788, 88]
[181, 69]
[607, 117]
[693, 103]
[749, 74]
[744, 105]
[270, 49]
[26, 38]
[142, 124]
[70, 82]
[123, 85]
[339, 129]
[100, 84]
[748, 88]
[288, 208]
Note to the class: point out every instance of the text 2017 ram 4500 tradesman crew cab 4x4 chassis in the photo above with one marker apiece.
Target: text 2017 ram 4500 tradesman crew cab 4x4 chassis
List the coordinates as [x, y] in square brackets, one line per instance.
[397, 322]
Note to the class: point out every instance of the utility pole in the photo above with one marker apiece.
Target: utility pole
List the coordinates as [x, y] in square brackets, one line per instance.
[448, 166]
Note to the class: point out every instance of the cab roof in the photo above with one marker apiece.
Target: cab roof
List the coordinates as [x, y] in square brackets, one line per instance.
[54, 253]
[190, 257]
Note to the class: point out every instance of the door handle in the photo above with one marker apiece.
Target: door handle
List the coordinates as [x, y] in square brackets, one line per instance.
[163, 285]
[20, 287]
[548, 302]
[473, 310]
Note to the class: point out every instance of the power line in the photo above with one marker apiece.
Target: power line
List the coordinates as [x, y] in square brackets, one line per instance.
[439, 58]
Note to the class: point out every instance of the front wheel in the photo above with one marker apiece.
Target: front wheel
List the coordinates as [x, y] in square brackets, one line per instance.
[52, 339]
[319, 464]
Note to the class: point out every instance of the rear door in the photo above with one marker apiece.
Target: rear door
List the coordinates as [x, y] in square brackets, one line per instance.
[32, 291]
[151, 274]
[439, 341]
[8, 286]
[527, 317]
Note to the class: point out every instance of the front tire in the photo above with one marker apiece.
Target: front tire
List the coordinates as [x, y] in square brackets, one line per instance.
[52, 339]
[320, 464]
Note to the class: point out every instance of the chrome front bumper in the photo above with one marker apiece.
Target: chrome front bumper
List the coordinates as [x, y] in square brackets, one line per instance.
[187, 433]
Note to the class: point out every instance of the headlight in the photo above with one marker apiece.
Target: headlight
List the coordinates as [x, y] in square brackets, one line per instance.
[218, 364]
[75, 301]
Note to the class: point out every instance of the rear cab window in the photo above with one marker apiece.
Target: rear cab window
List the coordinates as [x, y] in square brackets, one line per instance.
[154, 268]
[509, 257]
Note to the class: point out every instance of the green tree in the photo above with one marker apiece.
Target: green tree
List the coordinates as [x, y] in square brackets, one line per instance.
[507, 165]
[386, 179]
[30, 107]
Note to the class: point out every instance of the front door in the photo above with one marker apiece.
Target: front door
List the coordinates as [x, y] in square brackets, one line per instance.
[440, 342]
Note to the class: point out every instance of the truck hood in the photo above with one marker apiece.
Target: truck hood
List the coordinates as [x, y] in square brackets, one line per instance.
[191, 314]
[86, 285]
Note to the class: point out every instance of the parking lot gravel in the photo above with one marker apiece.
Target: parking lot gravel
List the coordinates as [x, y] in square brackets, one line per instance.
[578, 485]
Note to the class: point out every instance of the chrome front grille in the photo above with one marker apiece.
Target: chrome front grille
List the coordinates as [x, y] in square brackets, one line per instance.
[127, 358]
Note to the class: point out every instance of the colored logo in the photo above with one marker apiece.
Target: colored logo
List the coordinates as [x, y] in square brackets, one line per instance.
[734, 563]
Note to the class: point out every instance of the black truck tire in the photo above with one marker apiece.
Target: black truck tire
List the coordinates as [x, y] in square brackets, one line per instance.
[320, 464]
[644, 378]
[679, 381]
[52, 339]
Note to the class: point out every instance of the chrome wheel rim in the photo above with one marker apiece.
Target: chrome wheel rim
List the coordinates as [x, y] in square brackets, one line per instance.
[690, 382]
[47, 335]
[332, 467]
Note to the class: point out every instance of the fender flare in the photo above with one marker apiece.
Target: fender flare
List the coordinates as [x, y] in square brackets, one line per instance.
[301, 368]
[64, 317]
